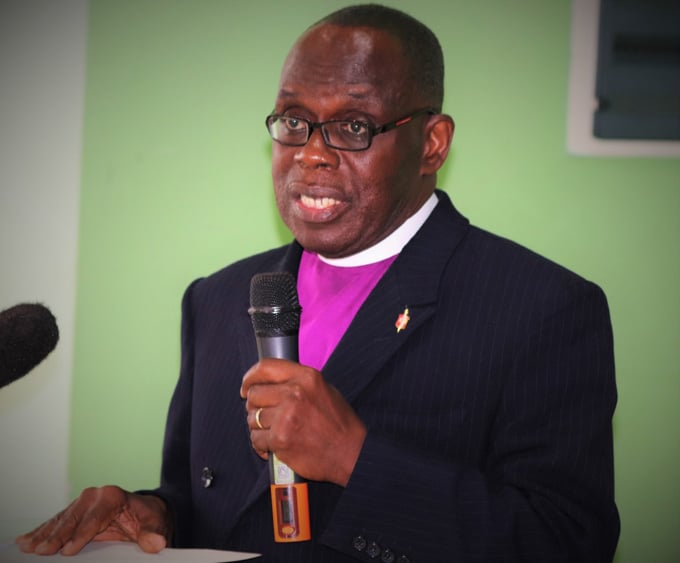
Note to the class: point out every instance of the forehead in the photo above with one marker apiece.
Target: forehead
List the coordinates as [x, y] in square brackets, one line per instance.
[350, 63]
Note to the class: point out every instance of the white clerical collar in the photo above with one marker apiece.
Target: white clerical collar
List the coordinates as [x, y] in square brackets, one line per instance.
[391, 245]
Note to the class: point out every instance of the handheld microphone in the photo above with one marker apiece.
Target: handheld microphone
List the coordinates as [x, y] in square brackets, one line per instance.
[275, 314]
[28, 333]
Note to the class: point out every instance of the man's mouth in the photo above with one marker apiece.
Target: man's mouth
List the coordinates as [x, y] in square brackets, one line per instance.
[318, 202]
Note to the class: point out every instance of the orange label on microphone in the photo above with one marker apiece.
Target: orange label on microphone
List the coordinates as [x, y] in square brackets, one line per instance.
[290, 510]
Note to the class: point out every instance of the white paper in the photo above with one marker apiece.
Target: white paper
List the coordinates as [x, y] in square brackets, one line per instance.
[115, 552]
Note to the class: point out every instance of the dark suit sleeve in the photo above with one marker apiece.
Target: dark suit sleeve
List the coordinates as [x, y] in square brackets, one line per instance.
[544, 488]
[175, 486]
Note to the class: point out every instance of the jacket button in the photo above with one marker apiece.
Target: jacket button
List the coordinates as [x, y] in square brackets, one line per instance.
[387, 556]
[373, 550]
[403, 559]
[207, 477]
[359, 543]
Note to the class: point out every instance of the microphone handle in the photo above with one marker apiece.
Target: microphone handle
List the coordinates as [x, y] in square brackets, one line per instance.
[289, 495]
[283, 347]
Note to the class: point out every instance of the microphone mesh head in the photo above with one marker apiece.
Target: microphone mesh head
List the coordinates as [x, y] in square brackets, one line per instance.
[28, 333]
[274, 306]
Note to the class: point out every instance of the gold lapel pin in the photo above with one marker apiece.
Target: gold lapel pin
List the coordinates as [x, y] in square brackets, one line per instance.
[402, 320]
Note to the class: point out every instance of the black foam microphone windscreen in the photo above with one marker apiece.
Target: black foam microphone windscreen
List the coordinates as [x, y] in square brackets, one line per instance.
[28, 333]
[275, 314]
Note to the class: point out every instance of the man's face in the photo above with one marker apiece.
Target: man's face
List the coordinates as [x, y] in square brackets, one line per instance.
[336, 202]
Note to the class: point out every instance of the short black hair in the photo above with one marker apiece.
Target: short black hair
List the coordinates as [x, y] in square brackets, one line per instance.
[419, 44]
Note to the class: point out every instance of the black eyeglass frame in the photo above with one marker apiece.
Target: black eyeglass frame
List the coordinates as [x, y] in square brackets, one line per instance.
[373, 130]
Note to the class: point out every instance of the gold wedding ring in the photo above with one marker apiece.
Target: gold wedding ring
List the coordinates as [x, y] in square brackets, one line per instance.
[258, 412]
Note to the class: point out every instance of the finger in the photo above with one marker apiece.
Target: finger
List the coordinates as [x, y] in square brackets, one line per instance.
[28, 541]
[68, 540]
[263, 454]
[54, 538]
[258, 435]
[142, 520]
[265, 396]
[50, 537]
[151, 542]
[266, 372]
[100, 506]
[303, 383]
[259, 418]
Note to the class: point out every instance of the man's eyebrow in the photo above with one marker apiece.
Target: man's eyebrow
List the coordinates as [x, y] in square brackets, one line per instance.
[358, 95]
[354, 94]
[285, 94]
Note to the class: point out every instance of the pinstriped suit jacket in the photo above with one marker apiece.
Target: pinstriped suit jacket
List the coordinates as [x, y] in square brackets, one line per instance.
[489, 416]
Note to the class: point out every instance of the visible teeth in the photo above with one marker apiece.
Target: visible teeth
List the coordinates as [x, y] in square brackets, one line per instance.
[318, 202]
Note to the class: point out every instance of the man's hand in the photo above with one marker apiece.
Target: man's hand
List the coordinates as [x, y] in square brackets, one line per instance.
[305, 421]
[102, 514]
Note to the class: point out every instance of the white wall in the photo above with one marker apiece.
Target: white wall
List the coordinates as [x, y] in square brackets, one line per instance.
[42, 65]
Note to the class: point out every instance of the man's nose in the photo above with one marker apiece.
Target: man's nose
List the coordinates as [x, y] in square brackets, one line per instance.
[316, 152]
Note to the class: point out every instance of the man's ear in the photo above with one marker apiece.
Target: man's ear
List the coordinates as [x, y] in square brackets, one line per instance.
[438, 136]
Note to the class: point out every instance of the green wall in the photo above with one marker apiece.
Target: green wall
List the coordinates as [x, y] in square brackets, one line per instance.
[176, 184]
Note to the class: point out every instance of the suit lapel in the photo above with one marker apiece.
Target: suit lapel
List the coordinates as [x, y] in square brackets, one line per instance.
[411, 282]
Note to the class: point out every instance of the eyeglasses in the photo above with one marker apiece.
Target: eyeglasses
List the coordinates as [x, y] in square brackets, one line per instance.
[345, 135]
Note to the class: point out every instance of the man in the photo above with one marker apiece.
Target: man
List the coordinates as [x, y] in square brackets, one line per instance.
[476, 429]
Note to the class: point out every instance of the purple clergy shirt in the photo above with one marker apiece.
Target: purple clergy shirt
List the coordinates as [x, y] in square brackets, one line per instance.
[330, 296]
